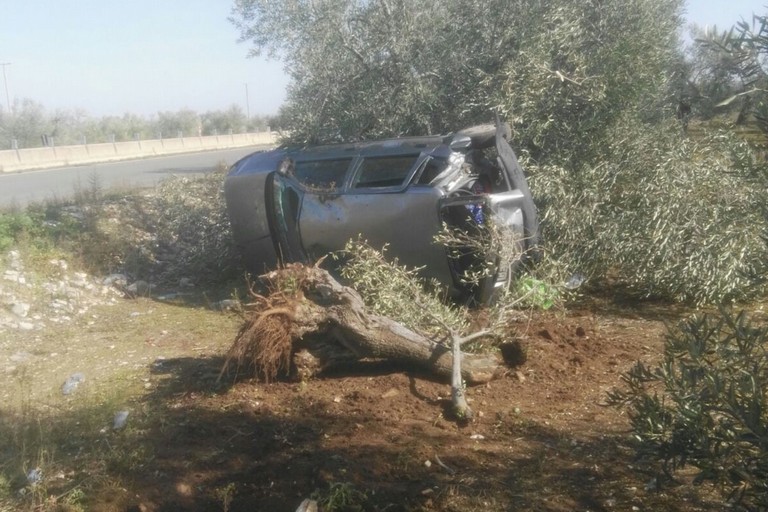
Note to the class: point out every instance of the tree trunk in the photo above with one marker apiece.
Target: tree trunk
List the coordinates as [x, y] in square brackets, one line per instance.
[327, 323]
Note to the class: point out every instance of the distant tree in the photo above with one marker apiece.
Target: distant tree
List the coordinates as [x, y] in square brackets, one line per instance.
[185, 122]
[224, 121]
[712, 74]
[261, 123]
[27, 124]
[741, 55]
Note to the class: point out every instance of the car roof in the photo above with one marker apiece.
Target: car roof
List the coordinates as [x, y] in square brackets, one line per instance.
[406, 145]
[266, 161]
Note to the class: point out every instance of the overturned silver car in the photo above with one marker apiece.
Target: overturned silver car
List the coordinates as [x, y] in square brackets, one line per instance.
[299, 204]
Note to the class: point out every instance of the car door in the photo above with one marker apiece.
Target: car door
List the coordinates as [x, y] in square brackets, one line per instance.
[378, 205]
[291, 193]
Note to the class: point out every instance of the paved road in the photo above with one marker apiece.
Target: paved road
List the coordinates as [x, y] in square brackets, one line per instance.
[20, 189]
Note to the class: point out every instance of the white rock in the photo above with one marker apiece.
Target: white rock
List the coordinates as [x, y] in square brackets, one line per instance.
[20, 309]
[120, 420]
[139, 288]
[14, 260]
[13, 275]
[59, 263]
[118, 280]
[20, 357]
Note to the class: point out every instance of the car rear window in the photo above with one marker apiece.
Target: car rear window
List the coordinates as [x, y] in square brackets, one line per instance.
[387, 171]
[327, 174]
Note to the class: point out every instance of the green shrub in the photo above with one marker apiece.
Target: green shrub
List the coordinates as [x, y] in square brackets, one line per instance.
[14, 226]
[663, 216]
[180, 230]
[705, 405]
[389, 289]
[341, 497]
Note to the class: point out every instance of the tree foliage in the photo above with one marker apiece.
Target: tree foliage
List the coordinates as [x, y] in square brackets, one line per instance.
[712, 76]
[663, 215]
[741, 53]
[560, 71]
[705, 405]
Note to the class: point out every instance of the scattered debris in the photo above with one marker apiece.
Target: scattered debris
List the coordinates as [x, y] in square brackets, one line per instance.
[121, 418]
[392, 392]
[72, 382]
[226, 305]
[307, 506]
[575, 281]
[35, 476]
[440, 463]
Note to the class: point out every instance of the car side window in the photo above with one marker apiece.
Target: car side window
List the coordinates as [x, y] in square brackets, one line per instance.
[322, 174]
[383, 172]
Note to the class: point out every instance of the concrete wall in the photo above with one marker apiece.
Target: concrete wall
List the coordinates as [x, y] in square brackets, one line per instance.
[40, 158]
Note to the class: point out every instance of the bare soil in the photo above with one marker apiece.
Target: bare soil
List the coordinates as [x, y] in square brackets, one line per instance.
[379, 438]
[372, 437]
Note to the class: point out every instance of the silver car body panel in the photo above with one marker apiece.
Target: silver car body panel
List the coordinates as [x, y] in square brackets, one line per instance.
[285, 215]
[406, 223]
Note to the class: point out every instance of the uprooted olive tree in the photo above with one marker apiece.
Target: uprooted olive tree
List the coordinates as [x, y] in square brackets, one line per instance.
[309, 322]
[304, 322]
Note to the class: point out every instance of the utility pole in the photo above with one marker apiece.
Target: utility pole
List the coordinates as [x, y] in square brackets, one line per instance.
[5, 80]
[247, 103]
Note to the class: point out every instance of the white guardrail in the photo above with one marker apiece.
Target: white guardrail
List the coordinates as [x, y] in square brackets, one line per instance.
[12, 160]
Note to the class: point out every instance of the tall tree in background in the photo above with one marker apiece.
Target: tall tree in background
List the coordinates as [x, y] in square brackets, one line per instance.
[561, 71]
[27, 122]
[739, 54]
[712, 74]
[184, 123]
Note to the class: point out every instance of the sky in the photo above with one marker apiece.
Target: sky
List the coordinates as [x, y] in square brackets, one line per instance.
[109, 57]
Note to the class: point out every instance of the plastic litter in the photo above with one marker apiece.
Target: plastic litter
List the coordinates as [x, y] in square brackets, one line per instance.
[574, 281]
[72, 382]
[121, 418]
[35, 476]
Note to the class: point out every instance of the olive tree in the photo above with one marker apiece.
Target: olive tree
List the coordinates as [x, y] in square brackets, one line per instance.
[712, 75]
[223, 121]
[590, 89]
[741, 53]
[560, 71]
